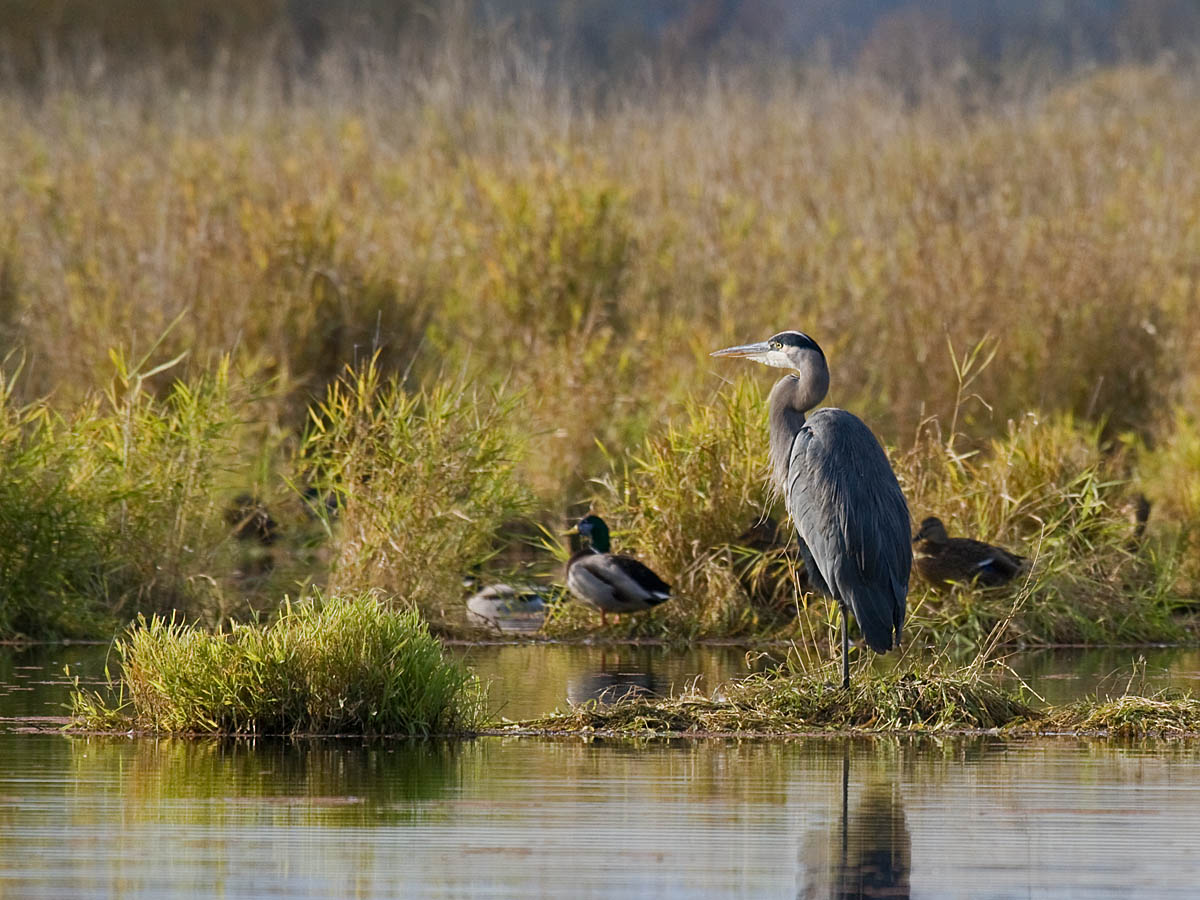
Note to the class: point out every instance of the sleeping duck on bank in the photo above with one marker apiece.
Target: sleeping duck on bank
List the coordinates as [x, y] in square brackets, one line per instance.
[941, 559]
[507, 607]
[607, 582]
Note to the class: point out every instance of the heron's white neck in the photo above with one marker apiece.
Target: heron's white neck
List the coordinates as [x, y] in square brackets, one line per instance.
[791, 398]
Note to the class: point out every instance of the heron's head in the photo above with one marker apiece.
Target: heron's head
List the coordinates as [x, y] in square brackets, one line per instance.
[931, 530]
[793, 350]
[786, 350]
[594, 530]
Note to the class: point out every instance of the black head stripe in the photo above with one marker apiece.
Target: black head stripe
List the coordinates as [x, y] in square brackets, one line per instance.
[796, 339]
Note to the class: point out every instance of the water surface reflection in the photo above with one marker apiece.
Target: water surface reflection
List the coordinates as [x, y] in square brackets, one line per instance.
[877, 817]
[494, 817]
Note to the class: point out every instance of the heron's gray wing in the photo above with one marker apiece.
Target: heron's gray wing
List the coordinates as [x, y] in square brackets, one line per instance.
[815, 578]
[851, 518]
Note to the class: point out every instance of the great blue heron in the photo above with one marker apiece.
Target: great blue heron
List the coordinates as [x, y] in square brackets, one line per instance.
[611, 583]
[941, 559]
[840, 492]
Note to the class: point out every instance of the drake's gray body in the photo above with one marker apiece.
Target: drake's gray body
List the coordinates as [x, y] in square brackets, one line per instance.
[615, 584]
[840, 491]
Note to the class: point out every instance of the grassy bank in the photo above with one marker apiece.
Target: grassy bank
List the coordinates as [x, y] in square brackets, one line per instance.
[913, 701]
[353, 667]
[329, 665]
[416, 313]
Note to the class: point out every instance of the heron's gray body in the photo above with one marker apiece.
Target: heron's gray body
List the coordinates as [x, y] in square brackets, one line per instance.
[615, 584]
[848, 510]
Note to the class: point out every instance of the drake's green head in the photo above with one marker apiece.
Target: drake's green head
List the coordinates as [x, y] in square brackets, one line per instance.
[595, 532]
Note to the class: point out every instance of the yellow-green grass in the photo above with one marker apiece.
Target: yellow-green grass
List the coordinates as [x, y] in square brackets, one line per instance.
[341, 664]
[538, 281]
[1053, 490]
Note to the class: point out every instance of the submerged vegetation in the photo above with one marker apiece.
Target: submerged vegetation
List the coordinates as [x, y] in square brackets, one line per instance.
[421, 312]
[327, 665]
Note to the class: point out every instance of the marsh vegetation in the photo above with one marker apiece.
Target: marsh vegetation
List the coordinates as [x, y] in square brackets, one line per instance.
[426, 314]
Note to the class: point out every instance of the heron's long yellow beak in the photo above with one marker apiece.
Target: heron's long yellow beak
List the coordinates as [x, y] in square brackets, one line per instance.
[744, 350]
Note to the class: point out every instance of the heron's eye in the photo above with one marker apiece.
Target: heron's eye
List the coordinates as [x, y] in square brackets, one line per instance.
[776, 345]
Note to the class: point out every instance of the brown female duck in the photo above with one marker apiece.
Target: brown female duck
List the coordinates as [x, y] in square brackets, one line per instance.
[941, 559]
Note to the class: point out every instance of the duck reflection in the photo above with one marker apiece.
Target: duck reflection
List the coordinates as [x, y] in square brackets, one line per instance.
[616, 678]
[869, 852]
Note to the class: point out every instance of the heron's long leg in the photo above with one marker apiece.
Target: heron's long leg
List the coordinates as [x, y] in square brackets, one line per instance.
[845, 647]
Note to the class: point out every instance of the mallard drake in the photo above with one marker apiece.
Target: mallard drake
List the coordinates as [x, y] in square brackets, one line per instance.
[507, 607]
[608, 582]
[941, 559]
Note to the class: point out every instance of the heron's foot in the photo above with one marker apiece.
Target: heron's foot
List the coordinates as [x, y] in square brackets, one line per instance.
[836, 685]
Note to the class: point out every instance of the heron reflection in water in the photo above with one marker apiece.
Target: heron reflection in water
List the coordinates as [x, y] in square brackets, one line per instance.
[869, 851]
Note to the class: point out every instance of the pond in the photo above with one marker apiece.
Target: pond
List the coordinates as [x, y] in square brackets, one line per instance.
[866, 817]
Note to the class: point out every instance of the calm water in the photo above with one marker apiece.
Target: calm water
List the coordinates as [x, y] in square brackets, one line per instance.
[493, 817]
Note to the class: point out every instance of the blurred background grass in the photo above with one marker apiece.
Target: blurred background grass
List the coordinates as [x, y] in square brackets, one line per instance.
[526, 225]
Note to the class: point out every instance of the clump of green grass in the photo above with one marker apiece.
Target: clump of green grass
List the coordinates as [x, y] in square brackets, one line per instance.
[116, 508]
[52, 565]
[423, 481]
[342, 664]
